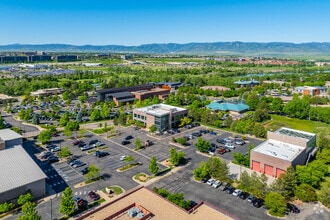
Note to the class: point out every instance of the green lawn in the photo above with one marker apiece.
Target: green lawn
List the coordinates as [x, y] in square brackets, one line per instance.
[294, 123]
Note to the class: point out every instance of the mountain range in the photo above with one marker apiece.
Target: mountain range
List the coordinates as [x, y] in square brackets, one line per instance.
[220, 48]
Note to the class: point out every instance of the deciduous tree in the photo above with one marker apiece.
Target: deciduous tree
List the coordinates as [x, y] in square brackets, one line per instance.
[153, 167]
[67, 205]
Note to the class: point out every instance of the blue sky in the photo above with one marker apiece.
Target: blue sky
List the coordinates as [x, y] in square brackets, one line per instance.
[105, 22]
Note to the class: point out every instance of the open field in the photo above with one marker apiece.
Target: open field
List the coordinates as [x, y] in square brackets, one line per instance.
[294, 123]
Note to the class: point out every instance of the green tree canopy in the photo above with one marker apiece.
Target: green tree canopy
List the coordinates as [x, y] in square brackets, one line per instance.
[153, 167]
[276, 203]
[203, 145]
[93, 172]
[44, 136]
[67, 205]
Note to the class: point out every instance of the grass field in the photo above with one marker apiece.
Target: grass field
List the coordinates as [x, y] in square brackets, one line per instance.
[294, 123]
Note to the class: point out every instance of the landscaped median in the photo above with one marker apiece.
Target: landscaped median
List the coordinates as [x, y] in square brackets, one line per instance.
[128, 166]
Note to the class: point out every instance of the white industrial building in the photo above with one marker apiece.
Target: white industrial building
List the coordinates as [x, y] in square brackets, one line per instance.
[18, 172]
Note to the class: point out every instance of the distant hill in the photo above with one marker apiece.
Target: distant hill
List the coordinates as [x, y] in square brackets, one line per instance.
[224, 48]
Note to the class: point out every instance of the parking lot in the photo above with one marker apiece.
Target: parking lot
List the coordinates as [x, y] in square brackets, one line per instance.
[61, 174]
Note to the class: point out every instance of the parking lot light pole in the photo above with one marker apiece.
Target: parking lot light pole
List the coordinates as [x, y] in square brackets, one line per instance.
[51, 209]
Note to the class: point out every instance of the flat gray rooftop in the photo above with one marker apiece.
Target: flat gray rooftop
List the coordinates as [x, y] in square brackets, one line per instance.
[17, 168]
[8, 134]
[279, 149]
[160, 109]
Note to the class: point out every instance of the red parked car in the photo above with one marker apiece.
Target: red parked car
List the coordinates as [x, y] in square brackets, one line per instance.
[76, 142]
[94, 196]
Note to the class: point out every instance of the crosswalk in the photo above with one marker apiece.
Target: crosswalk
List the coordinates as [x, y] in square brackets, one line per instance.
[78, 193]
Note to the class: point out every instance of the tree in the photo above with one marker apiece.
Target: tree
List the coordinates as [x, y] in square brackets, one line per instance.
[35, 119]
[105, 111]
[27, 197]
[176, 158]
[153, 128]
[305, 193]
[95, 115]
[276, 203]
[218, 169]
[138, 143]
[323, 141]
[252, 100]
[81, 132]
[67, 132]
[65, 95]
[180, 140]
[201, 170]
[259, 131]
[153, 167]
[79, 117]
[64, 152]
[44, 136]
[29, 212]
[324, 155]
[286, 183]
[67, 205]
[185, 121]
[203, 145]
[93, 172]
[64, 119]
[312, 174]
[324, 195]
[241, 159]
[72, 126]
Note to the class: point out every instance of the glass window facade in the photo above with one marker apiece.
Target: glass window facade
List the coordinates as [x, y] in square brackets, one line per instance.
[162, 122]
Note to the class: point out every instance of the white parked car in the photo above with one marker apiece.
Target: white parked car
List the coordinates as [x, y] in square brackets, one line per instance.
[123, 157]
[230, 145]
[237, 192]
[210, 182]
[216, 184]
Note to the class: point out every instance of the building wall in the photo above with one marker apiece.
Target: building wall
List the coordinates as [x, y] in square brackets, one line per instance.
[2, 145]
[38, 189]
[276, 163]
[17, 141]
[287, 139]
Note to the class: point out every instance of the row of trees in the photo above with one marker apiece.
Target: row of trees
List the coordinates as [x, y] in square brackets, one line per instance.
[215, 168]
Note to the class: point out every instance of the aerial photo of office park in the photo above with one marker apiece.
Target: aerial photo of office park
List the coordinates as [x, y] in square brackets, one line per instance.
[96, 125]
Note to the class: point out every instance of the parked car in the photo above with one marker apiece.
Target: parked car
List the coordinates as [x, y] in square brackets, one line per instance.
[213, 132]
[239, 142]
[224, 186]
[81, 144]
[84, 171]
[94, 196]
[216, 184]
[78, 164]
[205, 179]
[76, 142]
[251, 198]
[91, 142]
[74, 158]
[230, 189]
[258, 203]
[227, 149]
[228, 140]
[210, 182]
[213, 145]
[125, 142]
[55, 149]
[292, 208]
[100, 154]
[98, 144]
[203, 131]
[221, 141]
[243, 195]
[76, 199]
[52, 159]
[237, 192]
[123, 157]
[86, 147]
[196, 134]
[221, 150]
[230, 145]
[45, 155]
[129, 137]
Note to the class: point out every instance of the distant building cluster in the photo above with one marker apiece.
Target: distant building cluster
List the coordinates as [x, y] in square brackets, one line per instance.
[311, 90]
[31, 57]
[128, 94]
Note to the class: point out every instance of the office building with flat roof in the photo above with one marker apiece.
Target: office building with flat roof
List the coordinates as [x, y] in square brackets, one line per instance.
[283, 148]
[163, 116]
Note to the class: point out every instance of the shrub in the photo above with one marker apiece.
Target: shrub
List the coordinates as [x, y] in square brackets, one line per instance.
[305, 193]
[5, 207]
